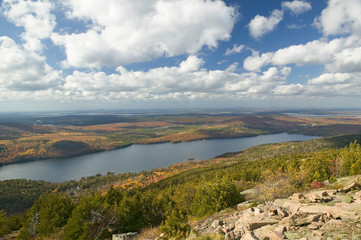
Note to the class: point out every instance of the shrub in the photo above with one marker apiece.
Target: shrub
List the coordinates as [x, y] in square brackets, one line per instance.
[275, 185]
[213, 197]
[317, 184]
[175, 226]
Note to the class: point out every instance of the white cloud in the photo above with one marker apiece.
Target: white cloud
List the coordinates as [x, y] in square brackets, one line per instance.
[325, 86]
[34, 16]
[232, 68]
[236, 49]
[174, 83]
[347, 60]
[127, 31]
[296, 6]
[255, 62]
[290, 90]
[21, 70]
[260, 25]
[331, 79]
[335, 84]
[341, 17]
[192, 64]
[340, 54]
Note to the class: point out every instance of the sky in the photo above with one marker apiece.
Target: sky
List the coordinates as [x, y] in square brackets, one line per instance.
[138, 54]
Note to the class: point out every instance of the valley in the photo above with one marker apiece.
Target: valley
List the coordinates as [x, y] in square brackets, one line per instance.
[28, 138]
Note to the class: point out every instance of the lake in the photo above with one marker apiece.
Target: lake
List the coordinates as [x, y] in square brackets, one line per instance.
[136, 158]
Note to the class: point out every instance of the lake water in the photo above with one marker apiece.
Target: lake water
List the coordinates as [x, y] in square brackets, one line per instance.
[136, 158]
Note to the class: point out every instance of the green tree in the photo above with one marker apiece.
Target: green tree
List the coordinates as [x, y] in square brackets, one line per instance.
[49, 212]
[318, 167]
[350, 159]
[3, 217]
[213, 197]
[91, 218]
[175, 226]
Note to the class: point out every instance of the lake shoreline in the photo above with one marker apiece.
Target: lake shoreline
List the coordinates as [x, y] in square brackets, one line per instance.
[128, 145]
[138, 157]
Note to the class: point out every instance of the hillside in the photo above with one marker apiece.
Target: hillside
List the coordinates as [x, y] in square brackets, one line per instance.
[42, 137]
[176, 196]
[332, 213]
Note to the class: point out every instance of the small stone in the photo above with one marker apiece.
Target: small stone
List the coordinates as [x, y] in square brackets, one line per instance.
[298, 196]
[318, 233]
[258, 223]
[256, 210]
[313, 226]
[249, 236]
[230, 236]
[216, 223]
[316, 218]
[272, 211]
[281, 212]
[272, 235]
[126, 236]
[357, 197]
[281, 228]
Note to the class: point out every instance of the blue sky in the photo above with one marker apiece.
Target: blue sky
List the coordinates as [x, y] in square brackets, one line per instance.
[87, 54]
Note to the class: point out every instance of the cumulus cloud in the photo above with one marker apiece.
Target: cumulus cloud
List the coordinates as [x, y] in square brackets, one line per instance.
[174, 82]
[340, 17]
[346, 60]
[340, 54]
[21, 70]
[34, 16]
[297, 7]
[290, 90]
[260, 25]
[126, 31]
[255, 62]
[335, 84]
[236, 49]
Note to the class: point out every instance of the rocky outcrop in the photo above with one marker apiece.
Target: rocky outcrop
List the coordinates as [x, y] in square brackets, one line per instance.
[125, 236]
[316, 215]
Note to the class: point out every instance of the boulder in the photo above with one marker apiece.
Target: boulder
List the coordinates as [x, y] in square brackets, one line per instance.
[272, 211]
[272, 235]
[350, 187]
[282, 212]
[298, 197]
[256, 210]
[257, 222]
[230, 236]
[125, 236]
[357, 197]
[300, 219]
[249, 236]
[292, 206]
[281, 229]
[228, 228]
[319, 197]
[216, 223]
[313, 226]
[332, 224]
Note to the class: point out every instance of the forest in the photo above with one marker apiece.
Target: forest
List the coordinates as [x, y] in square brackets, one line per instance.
[29, 138]
[170, 199]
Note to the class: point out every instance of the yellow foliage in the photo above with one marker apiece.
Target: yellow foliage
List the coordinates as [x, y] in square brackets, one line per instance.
[30, 151]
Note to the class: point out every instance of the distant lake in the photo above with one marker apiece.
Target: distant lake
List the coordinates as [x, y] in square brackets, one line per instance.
[136, 158]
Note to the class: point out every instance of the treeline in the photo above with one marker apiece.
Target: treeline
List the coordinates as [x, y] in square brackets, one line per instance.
[17, 196]
[194, 193]
[97, 215]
